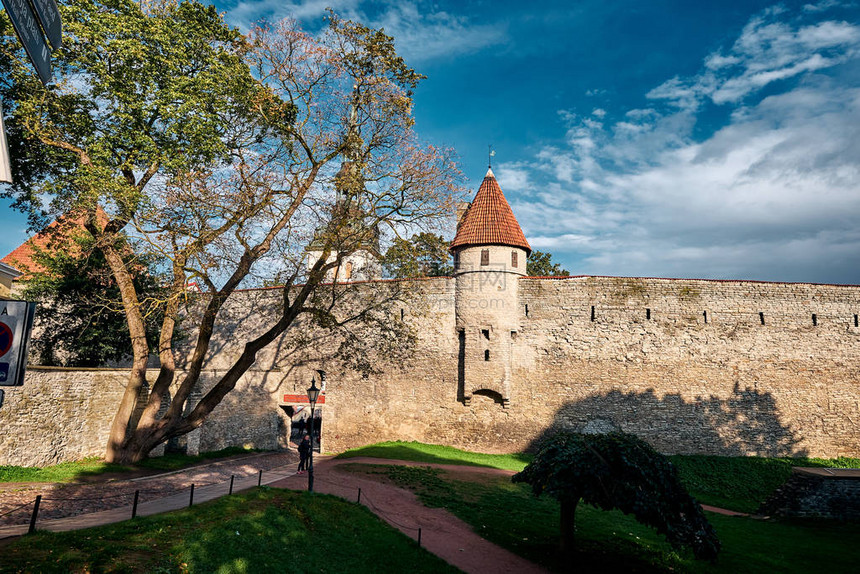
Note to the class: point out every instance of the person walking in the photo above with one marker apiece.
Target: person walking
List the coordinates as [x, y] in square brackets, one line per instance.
[304, 453]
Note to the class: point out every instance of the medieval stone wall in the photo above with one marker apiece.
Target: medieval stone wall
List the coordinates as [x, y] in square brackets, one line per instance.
[60, 415]
[817, 493]
[722, 367]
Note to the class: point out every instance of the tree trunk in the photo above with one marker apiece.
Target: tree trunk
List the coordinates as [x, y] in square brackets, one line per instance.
[119, 432]
[568, 526]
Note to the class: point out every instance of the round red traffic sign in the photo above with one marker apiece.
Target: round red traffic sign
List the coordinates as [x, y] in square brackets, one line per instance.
[5, 338]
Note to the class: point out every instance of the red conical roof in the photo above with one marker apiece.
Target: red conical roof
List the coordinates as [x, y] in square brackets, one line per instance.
[489, 220]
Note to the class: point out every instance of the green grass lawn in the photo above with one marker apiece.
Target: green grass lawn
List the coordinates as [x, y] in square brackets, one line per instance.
[438, 454]
[76, 470]
[509, 515]
[64, 472]
[264, 530]
[736, 483]
[283, 531]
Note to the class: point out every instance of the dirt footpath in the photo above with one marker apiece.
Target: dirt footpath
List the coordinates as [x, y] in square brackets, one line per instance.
[442, 533]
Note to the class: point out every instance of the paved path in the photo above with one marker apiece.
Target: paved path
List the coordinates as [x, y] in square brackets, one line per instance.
[442, 533]
[163, 504]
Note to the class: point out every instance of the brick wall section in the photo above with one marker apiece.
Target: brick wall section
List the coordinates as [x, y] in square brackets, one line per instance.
[729, 386]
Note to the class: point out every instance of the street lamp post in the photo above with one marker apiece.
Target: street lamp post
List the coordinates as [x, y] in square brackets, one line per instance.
[313, 394]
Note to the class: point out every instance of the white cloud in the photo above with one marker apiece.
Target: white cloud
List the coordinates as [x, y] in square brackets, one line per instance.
[768, 50]
[422, 34]
[421, 31]
[552, 243]
[825, 5]
[773, 194]
[512, 176]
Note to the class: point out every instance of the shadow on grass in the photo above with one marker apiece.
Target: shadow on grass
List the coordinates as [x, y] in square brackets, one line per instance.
[438, 454]
[264, 530]
[510, 516]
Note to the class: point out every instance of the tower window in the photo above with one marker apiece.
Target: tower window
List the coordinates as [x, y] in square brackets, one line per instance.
[814, 319]
[485, 256]
[514, 259]
[648, 314]
[487, 355]
[486, 333]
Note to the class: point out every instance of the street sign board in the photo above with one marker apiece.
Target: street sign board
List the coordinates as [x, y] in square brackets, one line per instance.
[49, 16]
[28, 31]
[16, 322]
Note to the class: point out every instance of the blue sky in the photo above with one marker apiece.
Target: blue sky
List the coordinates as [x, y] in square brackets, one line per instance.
[707, 139]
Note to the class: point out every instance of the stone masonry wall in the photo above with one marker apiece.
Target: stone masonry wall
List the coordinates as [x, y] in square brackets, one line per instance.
[689, 366]
[60, 415]
[817, 493]
[685, 364]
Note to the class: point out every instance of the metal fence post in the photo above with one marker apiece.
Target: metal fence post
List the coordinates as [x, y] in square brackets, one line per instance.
[191, 500]
[134, 505]
[260, 478]
[232, 476]
[35, 513]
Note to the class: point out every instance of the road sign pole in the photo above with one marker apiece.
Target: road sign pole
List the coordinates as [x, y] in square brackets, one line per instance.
[5, 166]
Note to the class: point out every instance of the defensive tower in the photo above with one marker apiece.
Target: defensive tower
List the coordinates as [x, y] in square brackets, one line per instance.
[490, 254]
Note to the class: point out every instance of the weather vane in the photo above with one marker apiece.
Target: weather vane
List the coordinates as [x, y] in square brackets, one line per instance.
[490, 153]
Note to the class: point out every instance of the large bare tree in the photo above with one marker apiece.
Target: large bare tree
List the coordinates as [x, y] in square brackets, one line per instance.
[226, 157]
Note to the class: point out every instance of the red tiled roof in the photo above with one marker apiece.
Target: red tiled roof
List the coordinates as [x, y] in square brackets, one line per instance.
[57, 236]
[489, 220]
[23, 257]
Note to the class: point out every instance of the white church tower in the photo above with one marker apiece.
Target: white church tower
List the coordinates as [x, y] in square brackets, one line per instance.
[362, 260]
[490, 254]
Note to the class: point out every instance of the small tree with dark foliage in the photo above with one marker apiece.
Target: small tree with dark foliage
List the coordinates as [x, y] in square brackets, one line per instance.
[79, 319]
[619, 470]
[540, 264]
